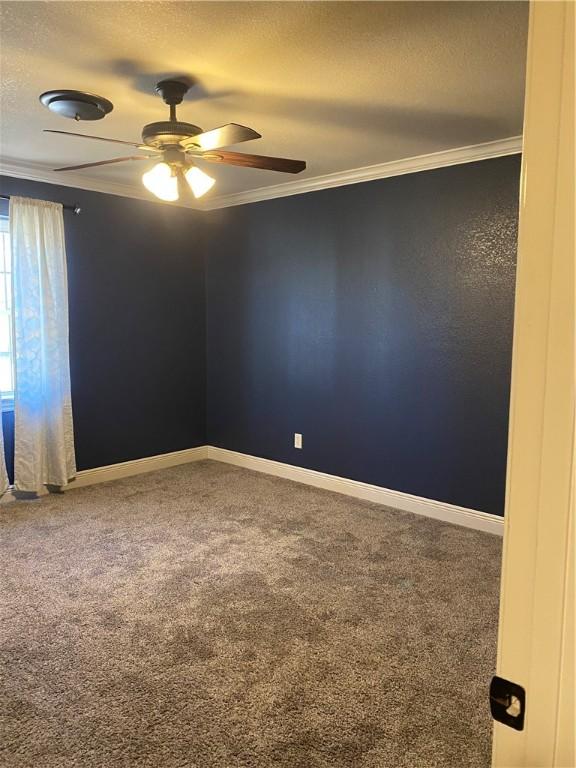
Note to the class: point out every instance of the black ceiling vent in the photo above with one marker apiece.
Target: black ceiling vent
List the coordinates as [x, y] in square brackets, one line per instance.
[77, 104]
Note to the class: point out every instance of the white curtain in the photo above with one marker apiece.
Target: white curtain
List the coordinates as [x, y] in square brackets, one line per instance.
[43, 433]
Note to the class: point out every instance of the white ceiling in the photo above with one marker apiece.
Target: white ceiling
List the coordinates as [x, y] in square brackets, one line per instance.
[341, 85]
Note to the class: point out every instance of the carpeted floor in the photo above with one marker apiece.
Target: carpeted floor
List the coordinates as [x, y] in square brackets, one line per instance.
[210, 617]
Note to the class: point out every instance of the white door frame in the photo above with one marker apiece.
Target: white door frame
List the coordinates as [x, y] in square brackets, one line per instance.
[536, 633]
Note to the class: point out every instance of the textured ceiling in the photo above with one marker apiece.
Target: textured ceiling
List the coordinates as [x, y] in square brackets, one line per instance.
[339, 84]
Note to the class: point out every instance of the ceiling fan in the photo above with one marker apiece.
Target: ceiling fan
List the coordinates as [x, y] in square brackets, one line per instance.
[177, 145]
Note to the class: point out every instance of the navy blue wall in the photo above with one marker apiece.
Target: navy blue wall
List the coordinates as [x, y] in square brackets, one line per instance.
[137, 324]
[376, 319]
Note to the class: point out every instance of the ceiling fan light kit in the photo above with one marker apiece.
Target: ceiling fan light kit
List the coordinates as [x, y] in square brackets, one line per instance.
[162, 182]
[199, 182]
[176, 145]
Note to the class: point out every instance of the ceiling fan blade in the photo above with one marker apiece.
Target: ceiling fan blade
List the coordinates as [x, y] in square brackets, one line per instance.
[101, 138]
[281, 164]
[232, 133]
[102, 162]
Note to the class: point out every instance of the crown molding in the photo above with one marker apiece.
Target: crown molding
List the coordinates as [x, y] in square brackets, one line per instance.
[458, 156]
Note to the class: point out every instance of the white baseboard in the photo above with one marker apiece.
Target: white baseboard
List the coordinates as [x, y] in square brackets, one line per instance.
[418, 505]
[439, 510]
[117, 471]
[137, 466]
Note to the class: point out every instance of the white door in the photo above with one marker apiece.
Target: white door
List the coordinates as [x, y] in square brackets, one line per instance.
[536, 636]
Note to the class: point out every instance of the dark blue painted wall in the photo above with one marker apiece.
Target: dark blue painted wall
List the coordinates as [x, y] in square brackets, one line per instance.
[376, 319]
[137, 324]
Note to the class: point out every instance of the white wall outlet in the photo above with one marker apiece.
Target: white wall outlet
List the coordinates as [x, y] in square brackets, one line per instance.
[297, 440]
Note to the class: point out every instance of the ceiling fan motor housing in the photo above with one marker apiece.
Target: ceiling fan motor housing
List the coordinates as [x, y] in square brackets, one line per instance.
[168, 132]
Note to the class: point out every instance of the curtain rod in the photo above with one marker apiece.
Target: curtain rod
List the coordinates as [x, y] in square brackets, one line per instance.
[74, 208]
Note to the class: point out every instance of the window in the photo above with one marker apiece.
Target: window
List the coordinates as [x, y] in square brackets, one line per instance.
[6, 367]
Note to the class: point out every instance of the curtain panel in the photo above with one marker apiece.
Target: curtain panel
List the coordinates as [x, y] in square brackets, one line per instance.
[43, 429]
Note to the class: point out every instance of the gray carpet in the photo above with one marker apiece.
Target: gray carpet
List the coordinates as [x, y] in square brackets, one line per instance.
[210, 617]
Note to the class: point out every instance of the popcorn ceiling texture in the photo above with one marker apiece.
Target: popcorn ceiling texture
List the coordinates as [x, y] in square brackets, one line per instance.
[210, 617]
[341, 85]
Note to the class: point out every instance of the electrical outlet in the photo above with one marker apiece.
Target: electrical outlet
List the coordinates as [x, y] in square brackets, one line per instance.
[297, 440]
